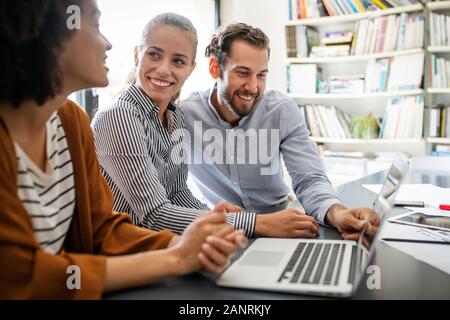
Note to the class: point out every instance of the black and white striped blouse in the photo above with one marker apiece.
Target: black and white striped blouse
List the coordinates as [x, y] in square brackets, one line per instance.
[145, 165]
[49, 196]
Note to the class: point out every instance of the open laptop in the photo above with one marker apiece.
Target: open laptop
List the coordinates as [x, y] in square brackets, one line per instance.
[318, 267]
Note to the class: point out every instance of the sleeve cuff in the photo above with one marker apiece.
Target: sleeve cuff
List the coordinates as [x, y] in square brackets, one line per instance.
[243, 220]
[322, 211]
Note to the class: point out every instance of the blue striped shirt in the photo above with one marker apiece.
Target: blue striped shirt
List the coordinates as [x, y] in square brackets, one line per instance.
[251, 174]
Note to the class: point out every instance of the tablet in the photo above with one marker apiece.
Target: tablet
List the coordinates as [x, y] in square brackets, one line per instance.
[419, 219]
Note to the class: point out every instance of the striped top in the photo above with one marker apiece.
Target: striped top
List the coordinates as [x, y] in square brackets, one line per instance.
[49, 196]
[144, 163]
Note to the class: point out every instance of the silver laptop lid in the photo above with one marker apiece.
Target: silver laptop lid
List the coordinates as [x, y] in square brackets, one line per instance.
[381, 206]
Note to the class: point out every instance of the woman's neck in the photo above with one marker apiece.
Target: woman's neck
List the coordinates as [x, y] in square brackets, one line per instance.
[26, 126]
[29, 118]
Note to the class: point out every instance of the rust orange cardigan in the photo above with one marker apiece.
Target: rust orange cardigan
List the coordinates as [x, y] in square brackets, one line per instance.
[26, 271]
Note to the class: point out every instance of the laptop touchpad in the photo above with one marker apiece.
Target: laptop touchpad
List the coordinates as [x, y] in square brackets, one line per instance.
[262, 258]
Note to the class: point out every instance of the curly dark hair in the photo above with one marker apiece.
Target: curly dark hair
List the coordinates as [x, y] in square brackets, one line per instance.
[32, 34]
[220, 44]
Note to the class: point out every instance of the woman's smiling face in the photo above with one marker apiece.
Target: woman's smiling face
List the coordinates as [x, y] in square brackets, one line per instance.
[165, 62]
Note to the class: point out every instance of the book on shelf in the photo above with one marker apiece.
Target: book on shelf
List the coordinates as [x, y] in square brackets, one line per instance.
[345, 154]
[330, 51]
[403, 118]
[382, 34]
[439, 72]
[376, 78]
[337, 37]
[439, 29]
[441, 150]
[440, 122]
[346, 84]
[399, 73]
[300, 39]
[307, 9]
[327, 121]
[440, 154]
[406, 72]
[388, 33]
[302, 78]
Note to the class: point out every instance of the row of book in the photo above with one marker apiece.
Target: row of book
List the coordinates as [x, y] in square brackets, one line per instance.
[389, 74]
[388, 33]
[327, 121]
[300, 40]
[440, 122]
[383, 34]
[306, 9]
[439, 72]
[395, 74]
[441, 150]
[403, 118]
[439, 29]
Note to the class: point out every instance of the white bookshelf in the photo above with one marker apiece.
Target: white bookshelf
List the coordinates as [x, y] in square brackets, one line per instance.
[354, 17]
[438, 90]
[436, 96]
[365, 103]
[367, 141]
[353, 58]
[345, 96]
[438, 49]
[440, 5]
[439, 140]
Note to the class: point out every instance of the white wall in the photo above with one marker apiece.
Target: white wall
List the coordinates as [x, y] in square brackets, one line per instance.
[269, 16]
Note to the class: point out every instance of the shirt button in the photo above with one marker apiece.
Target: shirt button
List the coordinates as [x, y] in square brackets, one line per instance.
[235, 183]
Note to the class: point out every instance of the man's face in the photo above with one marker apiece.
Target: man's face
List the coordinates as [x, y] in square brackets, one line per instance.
[243, 78]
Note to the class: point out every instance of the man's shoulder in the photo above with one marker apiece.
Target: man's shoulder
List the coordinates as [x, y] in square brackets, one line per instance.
[276, 101]
[276, 97]
[195, 99]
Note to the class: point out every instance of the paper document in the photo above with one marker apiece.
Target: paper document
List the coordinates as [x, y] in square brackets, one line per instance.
[430, 194]
[430, 211]
[436, 255]
[398, 231]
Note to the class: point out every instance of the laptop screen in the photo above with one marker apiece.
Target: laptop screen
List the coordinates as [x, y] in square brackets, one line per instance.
[381, 207]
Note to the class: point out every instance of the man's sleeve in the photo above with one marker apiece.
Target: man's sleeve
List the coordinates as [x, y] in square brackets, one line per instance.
[309, 180]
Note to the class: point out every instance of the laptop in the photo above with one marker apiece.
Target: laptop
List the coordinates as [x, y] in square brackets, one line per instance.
[308, 266]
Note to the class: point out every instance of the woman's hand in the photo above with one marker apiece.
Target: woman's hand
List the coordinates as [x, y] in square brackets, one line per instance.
[208, 242]
[219, 248]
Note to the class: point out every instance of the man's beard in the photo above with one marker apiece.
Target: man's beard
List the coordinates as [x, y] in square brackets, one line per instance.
[228, 101]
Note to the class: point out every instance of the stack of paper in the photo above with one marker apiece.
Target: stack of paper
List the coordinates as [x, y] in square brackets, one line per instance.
[430, 194]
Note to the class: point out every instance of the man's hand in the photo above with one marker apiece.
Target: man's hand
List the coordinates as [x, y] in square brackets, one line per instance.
[224, 206]
[288, 223]
[351, 221]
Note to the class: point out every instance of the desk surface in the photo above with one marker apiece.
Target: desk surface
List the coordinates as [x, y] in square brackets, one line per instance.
[402, 277]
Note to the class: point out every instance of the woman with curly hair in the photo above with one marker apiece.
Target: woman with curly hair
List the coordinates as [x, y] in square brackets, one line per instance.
[56, 209]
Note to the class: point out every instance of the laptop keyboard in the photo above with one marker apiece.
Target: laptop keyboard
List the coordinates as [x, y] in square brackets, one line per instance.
[314, 263]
